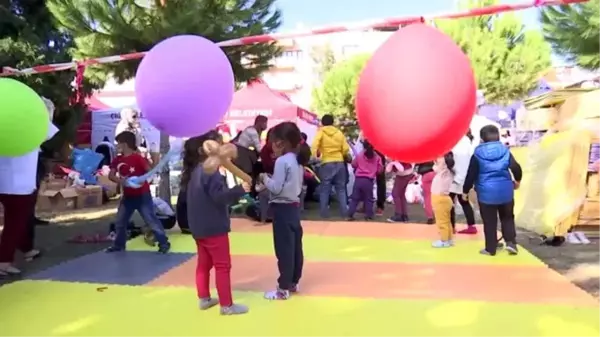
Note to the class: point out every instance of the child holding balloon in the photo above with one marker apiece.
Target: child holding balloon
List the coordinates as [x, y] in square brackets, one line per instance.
[286, 186]
[131, 164]
[440, 199]
[208, 199]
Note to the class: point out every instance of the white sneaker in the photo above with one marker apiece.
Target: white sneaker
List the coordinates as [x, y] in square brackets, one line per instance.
[31, 255]
[573, 239]
[8, 269]
[582, 238]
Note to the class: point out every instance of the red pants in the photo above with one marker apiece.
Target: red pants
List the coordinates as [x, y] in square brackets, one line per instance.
[17, 214]
[214, 252]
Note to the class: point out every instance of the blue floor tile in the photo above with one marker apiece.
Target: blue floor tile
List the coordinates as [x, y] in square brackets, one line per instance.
[125, 268]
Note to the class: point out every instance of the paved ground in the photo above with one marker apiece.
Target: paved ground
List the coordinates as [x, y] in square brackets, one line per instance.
[360, 278]
[580, 263]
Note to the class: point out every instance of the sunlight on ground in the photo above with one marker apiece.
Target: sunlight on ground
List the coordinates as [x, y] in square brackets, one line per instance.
[90, 214]
[75, 326]
[583, 272]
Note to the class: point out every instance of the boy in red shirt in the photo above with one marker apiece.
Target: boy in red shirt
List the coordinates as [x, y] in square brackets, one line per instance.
[131, 164]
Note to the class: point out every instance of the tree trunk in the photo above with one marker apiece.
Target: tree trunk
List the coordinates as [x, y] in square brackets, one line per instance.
[164, 183]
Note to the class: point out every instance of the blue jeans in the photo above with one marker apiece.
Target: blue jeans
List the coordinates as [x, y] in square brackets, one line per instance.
[333, 174]
[144, 205]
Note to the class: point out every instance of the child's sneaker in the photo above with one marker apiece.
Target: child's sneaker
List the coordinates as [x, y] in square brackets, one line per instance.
[441, 244]
[207, 303]
[295, 289]
[234, 309]
[114, 249]
[511, 248]
[582, 238]
[277, 294]
[485, 252]
[149, 239]
[395, 218]
[379, 212]
[431, 221]
[404, 218]
[164, 249]
[573, 239]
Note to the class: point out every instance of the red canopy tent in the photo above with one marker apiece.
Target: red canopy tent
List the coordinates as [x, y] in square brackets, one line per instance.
[256, 98]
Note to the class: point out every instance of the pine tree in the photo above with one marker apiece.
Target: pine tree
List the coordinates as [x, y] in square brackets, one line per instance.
[113, 27]
[29, 37]
[574, 32]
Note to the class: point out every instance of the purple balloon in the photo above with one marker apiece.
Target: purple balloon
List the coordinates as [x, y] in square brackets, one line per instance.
[184, 85]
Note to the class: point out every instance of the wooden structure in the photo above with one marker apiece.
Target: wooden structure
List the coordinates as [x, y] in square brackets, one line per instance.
[557, 191]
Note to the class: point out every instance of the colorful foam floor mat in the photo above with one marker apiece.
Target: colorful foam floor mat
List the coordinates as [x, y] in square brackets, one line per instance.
[359, 279]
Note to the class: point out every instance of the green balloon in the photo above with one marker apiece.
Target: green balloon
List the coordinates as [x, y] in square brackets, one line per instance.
[23, 119]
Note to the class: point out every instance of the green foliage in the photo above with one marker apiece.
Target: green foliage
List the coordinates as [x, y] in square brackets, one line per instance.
[29, 37]
[507, 59]
[337, 94]
[574, 32]
[324, 59]
[111, 27]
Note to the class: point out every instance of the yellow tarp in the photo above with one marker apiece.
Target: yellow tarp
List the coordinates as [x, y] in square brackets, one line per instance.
[553, 188]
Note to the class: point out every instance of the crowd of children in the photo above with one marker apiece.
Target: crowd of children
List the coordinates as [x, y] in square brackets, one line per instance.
[488, 168]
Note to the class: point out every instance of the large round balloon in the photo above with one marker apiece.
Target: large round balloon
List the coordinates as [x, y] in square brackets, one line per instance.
[184, 85]
[416, 95]
[24, 119]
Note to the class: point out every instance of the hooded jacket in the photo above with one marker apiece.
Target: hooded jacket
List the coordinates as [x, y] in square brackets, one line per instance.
[462, 152]
[331, 144]
[494, 184]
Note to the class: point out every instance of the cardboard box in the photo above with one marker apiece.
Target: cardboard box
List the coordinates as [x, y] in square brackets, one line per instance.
[57, 200]
[53, 184]
[111, 188]
[89, 196]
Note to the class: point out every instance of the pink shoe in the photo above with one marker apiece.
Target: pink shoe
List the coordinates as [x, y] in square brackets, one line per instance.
[469, 230]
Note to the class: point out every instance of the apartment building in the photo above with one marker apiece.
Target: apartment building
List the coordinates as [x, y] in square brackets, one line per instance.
[295, 72]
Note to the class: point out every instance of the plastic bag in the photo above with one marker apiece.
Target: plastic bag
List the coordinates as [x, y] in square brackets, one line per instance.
[86, 161]
[161, 207]
[414, 193]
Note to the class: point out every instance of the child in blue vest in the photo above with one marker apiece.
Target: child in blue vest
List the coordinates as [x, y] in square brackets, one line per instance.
[490, 171]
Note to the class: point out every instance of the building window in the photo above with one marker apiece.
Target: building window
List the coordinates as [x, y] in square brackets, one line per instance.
[349, 50]
[292, 54]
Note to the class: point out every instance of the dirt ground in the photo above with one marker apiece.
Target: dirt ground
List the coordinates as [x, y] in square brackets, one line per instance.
[580, 263]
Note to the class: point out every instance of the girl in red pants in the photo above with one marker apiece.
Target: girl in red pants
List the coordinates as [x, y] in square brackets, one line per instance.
[208, 200]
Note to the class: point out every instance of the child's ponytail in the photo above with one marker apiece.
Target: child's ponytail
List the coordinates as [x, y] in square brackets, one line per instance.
[369, 151]
[449, 160]
[193, 155]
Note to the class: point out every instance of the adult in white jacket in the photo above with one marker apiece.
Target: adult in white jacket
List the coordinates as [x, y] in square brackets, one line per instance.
[462, 157]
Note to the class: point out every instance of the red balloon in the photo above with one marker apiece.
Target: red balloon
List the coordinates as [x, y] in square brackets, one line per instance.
[416, 95]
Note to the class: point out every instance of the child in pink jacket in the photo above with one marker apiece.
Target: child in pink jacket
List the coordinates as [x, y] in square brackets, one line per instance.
[367, 164]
